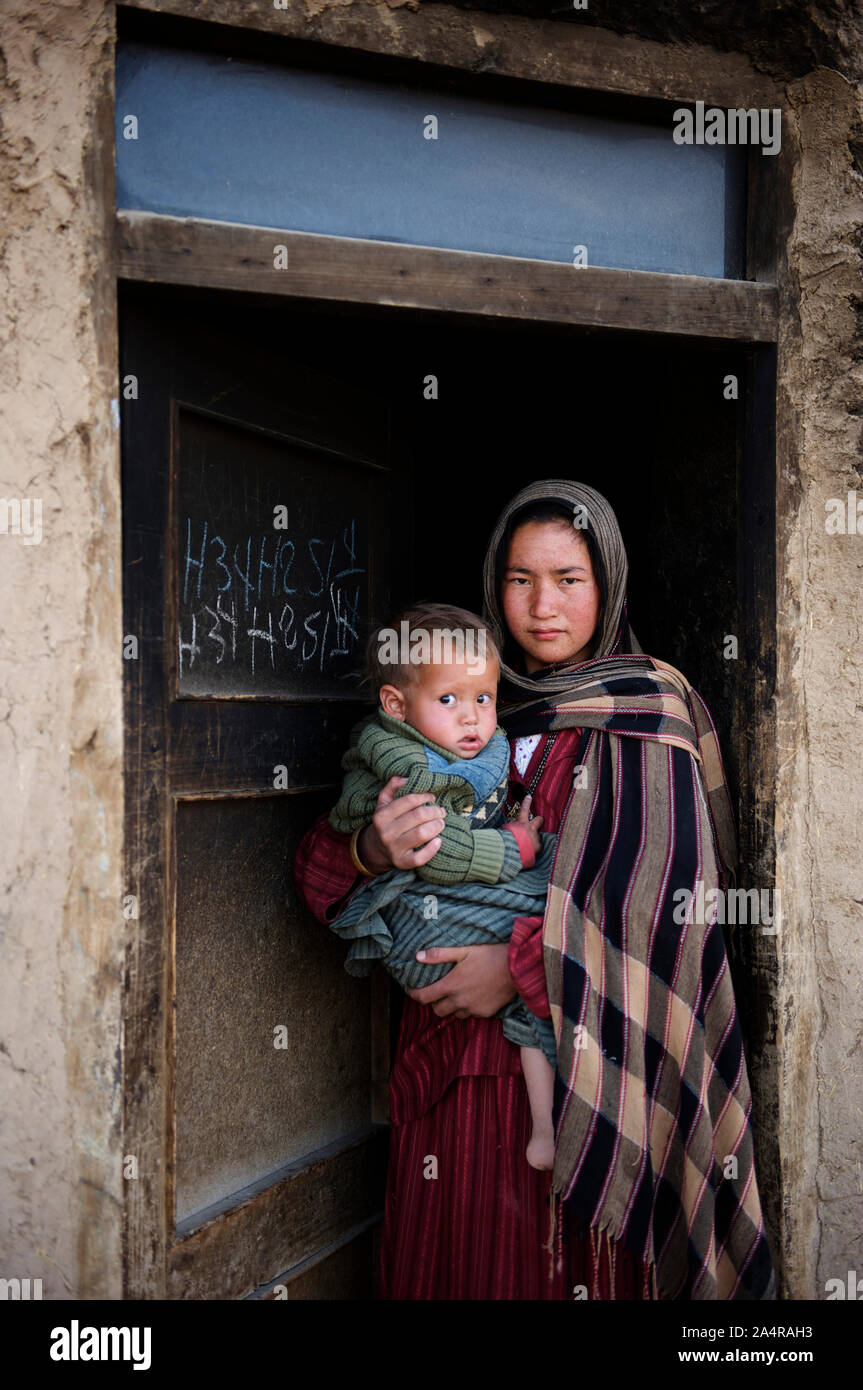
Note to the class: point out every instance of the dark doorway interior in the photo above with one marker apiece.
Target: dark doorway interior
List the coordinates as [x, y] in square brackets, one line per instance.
[646, 422]
[646, 425]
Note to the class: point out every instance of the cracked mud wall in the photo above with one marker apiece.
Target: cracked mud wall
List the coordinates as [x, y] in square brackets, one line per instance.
[61, 932]
[819, 807]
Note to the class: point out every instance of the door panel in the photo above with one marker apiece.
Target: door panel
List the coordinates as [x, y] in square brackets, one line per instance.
[254, 1065]
[245, 968]
[340, 1274]
[302, 1214]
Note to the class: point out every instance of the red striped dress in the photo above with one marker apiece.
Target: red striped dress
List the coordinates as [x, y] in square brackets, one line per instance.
[473, 1224]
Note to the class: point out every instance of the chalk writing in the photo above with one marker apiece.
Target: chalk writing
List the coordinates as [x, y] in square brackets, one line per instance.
[269, 604]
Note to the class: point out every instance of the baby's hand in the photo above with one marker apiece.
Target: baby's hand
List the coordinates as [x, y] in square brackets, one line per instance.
[531, 826]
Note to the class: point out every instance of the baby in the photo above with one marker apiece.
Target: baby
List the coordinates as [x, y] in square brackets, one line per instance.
[435, 671]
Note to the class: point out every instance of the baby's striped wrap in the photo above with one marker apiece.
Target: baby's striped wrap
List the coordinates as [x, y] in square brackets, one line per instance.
[475, 884]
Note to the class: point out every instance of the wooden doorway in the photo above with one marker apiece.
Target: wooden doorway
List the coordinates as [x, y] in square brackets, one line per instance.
[263, 1166]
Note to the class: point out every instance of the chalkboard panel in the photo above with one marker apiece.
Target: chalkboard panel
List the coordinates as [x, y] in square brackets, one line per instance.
[273, 578]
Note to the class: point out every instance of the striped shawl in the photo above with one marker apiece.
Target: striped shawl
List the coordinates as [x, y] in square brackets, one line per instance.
[654, 1144]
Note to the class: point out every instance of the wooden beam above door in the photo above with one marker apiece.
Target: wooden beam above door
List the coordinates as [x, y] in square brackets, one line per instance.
[557, 48]
[231, 256]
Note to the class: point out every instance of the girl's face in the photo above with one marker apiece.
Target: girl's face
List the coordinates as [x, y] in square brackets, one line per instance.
[551, 600]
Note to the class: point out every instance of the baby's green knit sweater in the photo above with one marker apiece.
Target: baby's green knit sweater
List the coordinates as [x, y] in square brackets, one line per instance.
[471, 793]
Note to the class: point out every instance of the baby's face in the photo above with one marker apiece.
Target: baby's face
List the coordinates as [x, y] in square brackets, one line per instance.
[453, 705]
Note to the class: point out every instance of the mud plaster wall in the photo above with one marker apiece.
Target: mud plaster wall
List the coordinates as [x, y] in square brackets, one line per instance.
[61, 931]
[819, 807]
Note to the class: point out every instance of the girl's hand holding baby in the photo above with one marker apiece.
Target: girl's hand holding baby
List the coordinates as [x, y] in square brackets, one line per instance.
[403, 833]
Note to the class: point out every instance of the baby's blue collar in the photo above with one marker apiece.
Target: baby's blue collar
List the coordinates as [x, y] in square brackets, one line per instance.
[482, 773]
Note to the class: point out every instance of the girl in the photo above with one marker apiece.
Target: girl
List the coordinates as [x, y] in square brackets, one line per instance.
[652, 1095]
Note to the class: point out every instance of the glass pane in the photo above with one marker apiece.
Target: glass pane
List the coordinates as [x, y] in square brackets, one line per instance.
[251, 142]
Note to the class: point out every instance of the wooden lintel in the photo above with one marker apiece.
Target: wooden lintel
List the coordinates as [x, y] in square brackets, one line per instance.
[232, 256]
[536, 48]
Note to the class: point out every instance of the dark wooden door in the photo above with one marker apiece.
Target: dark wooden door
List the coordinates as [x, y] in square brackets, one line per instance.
[258, 499]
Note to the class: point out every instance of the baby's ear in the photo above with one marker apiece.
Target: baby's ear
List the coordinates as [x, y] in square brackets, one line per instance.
[392, 701]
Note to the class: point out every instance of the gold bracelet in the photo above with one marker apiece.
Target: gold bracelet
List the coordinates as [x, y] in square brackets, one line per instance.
[355, 858]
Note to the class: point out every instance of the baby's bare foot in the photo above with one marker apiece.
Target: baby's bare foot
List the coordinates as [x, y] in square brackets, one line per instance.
[540, 1152]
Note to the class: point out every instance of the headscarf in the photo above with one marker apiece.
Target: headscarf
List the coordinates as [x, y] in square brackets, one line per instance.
[653, 1143]
[595, 522]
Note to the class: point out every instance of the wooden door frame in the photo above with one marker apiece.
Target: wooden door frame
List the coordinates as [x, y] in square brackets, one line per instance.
[228, 256]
